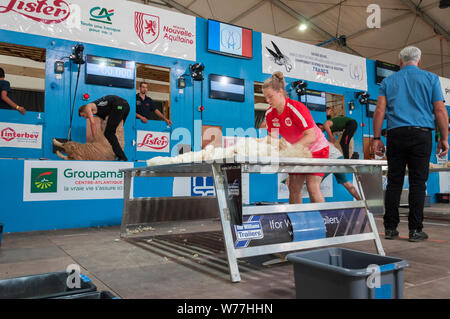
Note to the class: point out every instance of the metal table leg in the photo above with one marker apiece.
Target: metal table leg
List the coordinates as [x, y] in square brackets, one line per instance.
[373, 225]
[126, 203]
[219, 183]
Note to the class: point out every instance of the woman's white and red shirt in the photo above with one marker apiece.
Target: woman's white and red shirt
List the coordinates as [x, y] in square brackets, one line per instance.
[292, 122]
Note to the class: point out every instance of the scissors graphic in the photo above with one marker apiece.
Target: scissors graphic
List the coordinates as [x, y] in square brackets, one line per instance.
[279, 58]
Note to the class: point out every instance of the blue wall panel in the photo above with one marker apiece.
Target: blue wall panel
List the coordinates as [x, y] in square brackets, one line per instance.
[27, 216]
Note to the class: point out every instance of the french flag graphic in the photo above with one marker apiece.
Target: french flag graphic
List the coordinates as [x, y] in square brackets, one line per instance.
[230, 39]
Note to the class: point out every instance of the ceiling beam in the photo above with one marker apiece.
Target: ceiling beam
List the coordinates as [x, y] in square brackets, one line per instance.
[388, 22]
[312, 17]
[181, 8]
[435, 66]
[403, 46]
[429, 20]
[246, 12]
[315, 27]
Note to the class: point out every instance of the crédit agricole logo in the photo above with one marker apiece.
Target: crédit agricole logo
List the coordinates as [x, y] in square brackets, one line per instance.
[45, 11]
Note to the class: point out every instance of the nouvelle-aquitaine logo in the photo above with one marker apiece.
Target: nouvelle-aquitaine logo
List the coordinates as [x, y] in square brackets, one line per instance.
[44, 180]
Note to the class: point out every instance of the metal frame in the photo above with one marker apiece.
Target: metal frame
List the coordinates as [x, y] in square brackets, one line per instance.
[366, 172]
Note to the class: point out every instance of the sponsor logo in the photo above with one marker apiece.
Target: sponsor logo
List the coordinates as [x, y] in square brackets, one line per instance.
[320, 71]
[157, 143]
[447, 91]
[249, 230]
[202, 186]
[102, 15]
[70, 173]
[288, 121]
[356, 72]
[147, 27]
[44, 180]
[44, 11]
[276, 122]
[331, 220]
[8, 134]
[230, 39]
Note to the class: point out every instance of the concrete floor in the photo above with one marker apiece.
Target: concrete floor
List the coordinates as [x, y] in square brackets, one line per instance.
[169, 262]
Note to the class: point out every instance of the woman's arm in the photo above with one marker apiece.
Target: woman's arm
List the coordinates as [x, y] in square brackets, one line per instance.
[309, 137]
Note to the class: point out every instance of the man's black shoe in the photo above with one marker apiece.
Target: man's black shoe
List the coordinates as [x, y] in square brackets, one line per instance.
[415, 236]
[390, 234]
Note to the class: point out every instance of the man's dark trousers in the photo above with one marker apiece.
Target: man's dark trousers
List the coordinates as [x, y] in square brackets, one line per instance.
[407, 146]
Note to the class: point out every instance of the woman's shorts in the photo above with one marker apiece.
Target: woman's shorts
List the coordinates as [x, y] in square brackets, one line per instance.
[323, 153]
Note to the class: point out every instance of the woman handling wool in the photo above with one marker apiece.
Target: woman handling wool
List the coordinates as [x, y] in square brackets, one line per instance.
[293, 121]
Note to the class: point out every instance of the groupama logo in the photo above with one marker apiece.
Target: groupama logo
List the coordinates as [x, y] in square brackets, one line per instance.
[44, 180]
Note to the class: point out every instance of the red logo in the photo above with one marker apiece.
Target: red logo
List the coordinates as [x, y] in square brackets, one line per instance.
[288, 121]
[8, 134]
[55, 11]
[157, 143]
[146, 27]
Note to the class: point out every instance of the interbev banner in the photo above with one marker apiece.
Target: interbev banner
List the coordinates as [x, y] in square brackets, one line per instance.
[72, 180]
[120, 24]
[20, 135]
[311, 63]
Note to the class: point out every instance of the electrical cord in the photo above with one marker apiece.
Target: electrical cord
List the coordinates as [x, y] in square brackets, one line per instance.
[72, 107]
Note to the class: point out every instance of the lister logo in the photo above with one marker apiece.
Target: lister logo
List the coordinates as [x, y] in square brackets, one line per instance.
[154, 142]
[45, 11]
[44, 180]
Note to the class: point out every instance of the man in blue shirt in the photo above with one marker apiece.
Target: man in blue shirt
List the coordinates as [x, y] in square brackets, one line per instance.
[411, 100]
[5, 101]
[145, 105]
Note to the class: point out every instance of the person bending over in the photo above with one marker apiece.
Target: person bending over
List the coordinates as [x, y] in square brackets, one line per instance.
[345, 124]
[116, 109]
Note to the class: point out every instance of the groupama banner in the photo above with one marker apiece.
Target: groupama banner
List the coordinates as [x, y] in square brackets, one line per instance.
[121, 24]
[72, 180]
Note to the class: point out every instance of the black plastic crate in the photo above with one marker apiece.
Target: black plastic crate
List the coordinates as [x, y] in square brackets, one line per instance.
[42, 286]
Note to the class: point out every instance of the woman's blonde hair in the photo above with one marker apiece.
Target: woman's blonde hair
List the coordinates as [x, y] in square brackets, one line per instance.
[275, 82]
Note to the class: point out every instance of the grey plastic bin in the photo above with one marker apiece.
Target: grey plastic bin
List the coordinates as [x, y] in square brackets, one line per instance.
[343, 273]
[42, 286]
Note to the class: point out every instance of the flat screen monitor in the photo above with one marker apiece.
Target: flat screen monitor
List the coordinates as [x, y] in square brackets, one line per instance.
[370, 107]
[384, 69]
[228, 39]
[226, 88]
[110, 72]
[314, 100]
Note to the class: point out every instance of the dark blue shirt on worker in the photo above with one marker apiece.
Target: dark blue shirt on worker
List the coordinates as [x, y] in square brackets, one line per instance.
[4, 86]
[145, 106]
[410, 94]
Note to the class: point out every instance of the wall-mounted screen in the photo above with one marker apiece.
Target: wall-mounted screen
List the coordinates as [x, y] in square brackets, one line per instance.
[110, 72]
[229, 39]
[384, 69]
[226, 88]
[314, 100]
[370, 107]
